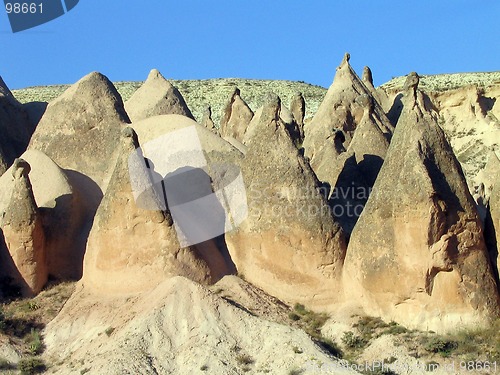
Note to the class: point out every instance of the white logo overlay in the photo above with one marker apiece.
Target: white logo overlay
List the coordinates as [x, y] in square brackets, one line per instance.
[205, 200]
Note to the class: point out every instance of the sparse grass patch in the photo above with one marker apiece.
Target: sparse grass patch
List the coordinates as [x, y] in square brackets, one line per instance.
[35, 343]
[353, 341]
[31, 365]
[244, 359]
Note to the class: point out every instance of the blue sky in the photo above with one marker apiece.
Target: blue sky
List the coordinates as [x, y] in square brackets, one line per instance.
[293, 40]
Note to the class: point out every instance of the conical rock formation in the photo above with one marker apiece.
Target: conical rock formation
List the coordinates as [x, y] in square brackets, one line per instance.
[417, 254]
[156, 96]
[133, 245]
[80, 129]
[289, 245]
[235, 117]
[24, 235]
[65, 220]
[338, 116]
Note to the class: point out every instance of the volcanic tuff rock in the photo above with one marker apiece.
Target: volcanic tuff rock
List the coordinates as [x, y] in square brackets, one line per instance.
[354, 171]
[133, 246]
[23, 233]
[236, 117]
[298, 109]
[417, 254]
[180, 327]
[289, 245]
[207, 121]
[331, 130]
[156, 96]
[66, 221]
[15, 128]
[80, 131]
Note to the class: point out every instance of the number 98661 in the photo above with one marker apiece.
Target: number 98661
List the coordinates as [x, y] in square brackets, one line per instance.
[24, 8]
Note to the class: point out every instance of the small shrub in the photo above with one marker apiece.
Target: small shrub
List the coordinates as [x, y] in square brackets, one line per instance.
[31, 365]
[297, 350]
[296, 371]
[109, 331]
[440, 345]
[352, 341]
[293, 316]
[244, 359]
[300, 309]
[204, 368]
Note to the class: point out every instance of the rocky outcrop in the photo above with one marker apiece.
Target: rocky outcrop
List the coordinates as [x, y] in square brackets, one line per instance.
[180, 328]
[417, 254]
[24, 235]
[133, 245]
[290, 245]
[353, 172]
[65, 218]
[80, 130]
[331, 130]
[156, 96]
[15, 128]
[298, 108]
[236, 117]
[207, 121]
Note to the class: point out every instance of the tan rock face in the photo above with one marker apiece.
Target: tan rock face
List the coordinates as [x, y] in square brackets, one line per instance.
[207, 121]
[62, 211]
[23, 233]
[290, 245]
[236, 117]
[417, 254]
[131, 248]
[80, 129]
[156, 97]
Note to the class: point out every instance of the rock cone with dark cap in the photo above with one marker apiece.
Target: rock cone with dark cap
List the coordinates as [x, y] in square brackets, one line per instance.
[133, 245]
[24, 235]
[80, 129]
[290, 245]
[235, 117]
[156, 96]
[417, 254]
